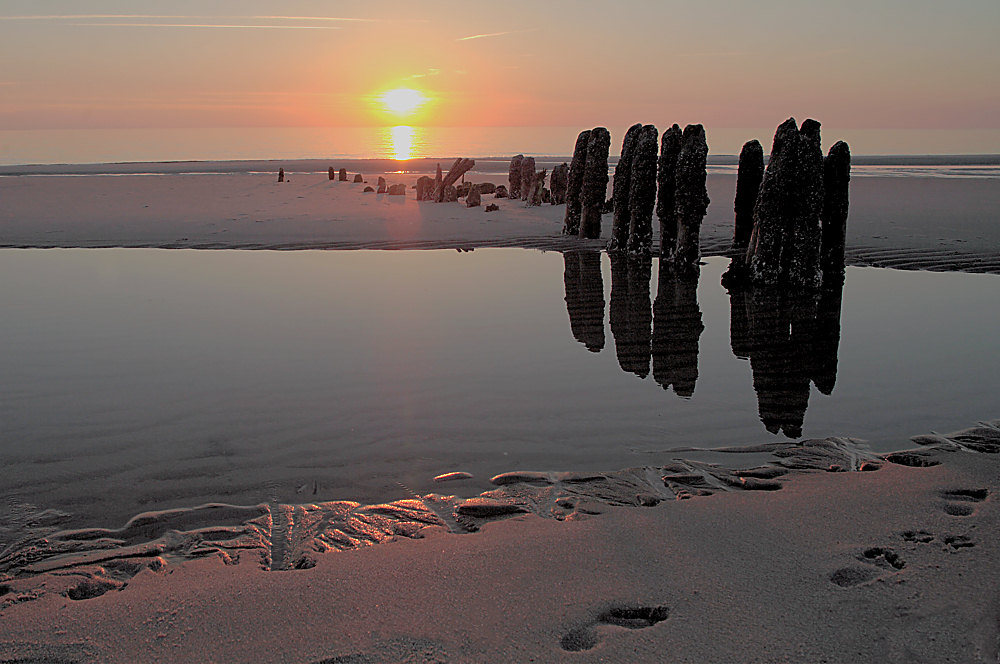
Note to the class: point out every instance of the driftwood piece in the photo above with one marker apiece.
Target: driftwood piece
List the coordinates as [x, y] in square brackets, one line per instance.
[457, 170]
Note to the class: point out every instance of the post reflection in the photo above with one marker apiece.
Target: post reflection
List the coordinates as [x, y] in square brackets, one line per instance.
[791, 340]
[631, 315]
[585, 297]
[677, 328]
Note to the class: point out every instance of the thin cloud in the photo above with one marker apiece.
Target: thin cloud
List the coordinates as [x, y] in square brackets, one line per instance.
[495, 34]
[79, 17]
[224, 26]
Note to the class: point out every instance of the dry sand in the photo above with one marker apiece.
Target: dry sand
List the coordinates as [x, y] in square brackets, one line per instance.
[916, 222]
[895, 565]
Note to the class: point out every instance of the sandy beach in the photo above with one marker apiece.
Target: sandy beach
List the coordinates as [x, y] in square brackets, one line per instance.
[894, 565]
[906, 223]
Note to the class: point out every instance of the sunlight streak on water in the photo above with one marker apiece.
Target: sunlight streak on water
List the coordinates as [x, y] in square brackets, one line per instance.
[400, 141]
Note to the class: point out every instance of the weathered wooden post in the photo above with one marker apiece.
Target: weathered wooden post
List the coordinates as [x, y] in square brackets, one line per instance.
[557, 183]
[670, 147]
[358, 178]
[785, 243]
[381, 185]
[642, 193]
[527, 177]
[331, 173]
[620, 189]
[342, 176]
[836, 181]
[473, 198]
[574, 185]
[514, 176]
[691, 198]
[748, 177]
[537, 189]
[281, 175]
[595, 183]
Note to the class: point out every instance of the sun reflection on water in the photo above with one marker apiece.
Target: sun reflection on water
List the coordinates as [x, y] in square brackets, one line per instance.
[401, 141]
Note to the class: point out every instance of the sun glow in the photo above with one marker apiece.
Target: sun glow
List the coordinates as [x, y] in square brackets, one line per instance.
[402, 101]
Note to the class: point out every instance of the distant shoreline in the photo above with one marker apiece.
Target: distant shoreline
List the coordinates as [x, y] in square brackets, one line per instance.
[490, 164]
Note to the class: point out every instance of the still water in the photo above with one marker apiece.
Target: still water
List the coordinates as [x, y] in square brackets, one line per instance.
[143, 379]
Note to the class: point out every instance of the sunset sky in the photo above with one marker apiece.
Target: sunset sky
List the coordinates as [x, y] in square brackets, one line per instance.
[248, 63]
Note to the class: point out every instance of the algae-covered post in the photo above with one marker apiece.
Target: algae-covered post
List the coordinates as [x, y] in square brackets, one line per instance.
[749, 175]
[557, 183]
[281, 175]
[342, 176]
[514, 176]
[620, 189]
[595, 183]
[527, 177]
[785, 243]
[670, 147]
[691, 197]
[381, 185]
[358, 178]
[836, 180]
[574, 185]
[331, 173]
[803, 266]
[642, 192]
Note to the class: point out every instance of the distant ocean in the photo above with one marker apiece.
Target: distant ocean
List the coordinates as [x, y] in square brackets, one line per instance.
[83, 146]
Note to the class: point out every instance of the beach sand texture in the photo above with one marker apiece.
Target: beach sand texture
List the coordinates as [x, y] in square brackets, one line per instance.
[784, 562]
[896, 222]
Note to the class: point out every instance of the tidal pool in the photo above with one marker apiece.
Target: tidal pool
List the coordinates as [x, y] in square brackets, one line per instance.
[141, 379]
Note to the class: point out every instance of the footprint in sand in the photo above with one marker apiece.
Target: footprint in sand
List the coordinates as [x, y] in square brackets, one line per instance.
[876, 556]
[961, 502]
[589, 635]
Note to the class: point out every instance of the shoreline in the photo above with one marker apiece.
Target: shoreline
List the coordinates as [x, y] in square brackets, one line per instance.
[888, 565]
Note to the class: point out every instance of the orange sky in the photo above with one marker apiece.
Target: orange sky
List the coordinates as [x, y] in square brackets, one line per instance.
[911, 64]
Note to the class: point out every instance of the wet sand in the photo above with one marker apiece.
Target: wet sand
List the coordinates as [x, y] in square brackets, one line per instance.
[891, 563]
[902, 222]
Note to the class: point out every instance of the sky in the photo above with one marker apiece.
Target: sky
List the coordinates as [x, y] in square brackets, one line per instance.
[909, 64]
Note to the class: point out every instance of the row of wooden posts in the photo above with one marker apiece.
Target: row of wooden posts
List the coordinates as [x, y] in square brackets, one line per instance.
[790, 218]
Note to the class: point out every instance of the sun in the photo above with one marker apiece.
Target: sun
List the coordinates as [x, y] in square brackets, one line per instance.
[402, 101]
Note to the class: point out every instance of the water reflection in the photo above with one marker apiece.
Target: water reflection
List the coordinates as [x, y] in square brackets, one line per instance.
[631, 316]
[677, 328]
[585, 297]
[791, 340]
[399, 141]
